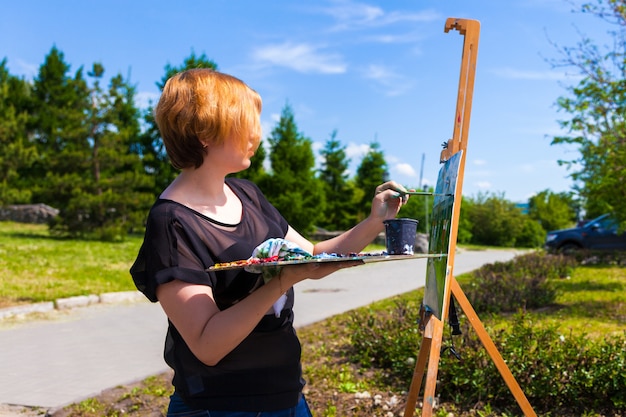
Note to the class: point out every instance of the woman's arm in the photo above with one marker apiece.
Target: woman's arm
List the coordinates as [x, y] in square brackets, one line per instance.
[385, 205]
[212, 333]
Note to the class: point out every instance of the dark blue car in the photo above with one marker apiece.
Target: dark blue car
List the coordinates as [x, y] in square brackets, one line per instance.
[600, 233]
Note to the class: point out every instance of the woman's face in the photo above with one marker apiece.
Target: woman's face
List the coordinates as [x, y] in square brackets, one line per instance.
[233, 155]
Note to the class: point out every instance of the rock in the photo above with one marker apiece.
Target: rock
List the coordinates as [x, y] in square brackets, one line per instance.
[28, 213]
[421, 243]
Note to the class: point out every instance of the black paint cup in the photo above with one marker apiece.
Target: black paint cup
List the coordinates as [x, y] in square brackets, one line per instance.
[400, 236]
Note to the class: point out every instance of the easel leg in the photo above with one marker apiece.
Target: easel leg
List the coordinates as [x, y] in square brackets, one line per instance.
[430, 349]
[491, 348]
[433, 368]
[418, 376]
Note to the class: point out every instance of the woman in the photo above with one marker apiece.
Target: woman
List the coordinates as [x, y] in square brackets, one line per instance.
[231, 355]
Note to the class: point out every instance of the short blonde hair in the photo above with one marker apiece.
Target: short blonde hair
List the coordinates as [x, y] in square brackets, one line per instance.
[202, 107]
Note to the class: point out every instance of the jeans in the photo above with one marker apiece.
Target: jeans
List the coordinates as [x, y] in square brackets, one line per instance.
[178, 408]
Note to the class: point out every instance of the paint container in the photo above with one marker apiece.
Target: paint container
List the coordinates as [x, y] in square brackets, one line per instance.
[400, 236]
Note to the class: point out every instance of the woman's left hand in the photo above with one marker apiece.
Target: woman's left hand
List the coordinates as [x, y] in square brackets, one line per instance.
[388, 200]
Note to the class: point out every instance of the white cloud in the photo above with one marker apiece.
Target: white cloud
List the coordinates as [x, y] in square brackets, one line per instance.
[300, 57]
[317, 147]
[516, 74]
[28, 70]
[352, 15]
[266, 128]
[356, 151]
[144, 99]
[347, 13]
[479, 162]
[392, 83]
[405, 169]
[483, 185]
[319, 159]
[387, 38]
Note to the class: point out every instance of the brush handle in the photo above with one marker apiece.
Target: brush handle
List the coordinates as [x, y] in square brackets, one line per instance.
[422, 193]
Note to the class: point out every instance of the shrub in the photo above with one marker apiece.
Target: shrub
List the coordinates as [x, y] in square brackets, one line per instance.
[517, 284]
[386, 341]
[562, 374]
[598, 257]
[570, 373]
[532, 234]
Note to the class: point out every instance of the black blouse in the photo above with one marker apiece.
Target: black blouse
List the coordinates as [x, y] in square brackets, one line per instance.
[263, 372]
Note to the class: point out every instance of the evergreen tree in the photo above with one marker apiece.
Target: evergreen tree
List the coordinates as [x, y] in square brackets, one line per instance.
[150, 145]
[17, 153]
[112, 200]
[85, 135]
[60, 104]
[340, 213]
[292, 186]
[371, 172]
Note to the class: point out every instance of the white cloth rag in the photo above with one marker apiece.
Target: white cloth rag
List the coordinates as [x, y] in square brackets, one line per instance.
[282, 248]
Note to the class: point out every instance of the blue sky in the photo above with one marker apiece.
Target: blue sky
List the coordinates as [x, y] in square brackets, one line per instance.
[378, 70]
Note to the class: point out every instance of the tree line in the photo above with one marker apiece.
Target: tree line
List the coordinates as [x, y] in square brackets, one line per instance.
[85, 148]
[76, 143]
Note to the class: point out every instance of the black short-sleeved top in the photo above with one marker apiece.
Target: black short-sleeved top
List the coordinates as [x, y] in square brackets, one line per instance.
[263, 373]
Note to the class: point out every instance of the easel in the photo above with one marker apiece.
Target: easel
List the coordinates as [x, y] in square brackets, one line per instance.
[433, 316]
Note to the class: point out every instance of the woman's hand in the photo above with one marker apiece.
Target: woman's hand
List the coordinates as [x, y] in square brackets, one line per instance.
[388, 200]
[292, 274]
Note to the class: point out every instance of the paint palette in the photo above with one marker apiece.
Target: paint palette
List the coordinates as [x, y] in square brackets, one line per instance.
[364, 258]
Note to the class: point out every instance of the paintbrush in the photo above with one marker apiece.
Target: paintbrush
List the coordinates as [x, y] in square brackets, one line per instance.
[403, 193]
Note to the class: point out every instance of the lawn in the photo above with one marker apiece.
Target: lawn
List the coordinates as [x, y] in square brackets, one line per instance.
[35, 266]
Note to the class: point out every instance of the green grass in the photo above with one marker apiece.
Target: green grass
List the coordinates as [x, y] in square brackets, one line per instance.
[35, 266]
[592, 301]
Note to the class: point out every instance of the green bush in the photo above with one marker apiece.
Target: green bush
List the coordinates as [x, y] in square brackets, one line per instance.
[560, 374]
[532, 234]
[387, 341]
[556, 372]
[493, 220]
[521, 283]
[598, 257]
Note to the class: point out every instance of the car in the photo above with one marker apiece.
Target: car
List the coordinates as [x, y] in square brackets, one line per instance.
[601, 233]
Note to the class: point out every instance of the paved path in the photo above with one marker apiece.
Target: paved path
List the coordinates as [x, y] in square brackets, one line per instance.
[74, 355]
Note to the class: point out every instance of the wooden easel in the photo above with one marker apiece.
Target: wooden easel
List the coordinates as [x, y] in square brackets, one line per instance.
[431, 323]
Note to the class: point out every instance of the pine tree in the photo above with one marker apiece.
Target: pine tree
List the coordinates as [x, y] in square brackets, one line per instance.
[292, 186]
[87, 167]
[17, 153]
[370, 174]
[340, 213]
[112, 200]
[60, 105]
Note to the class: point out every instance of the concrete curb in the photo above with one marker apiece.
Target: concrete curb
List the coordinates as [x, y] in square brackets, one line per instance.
[71, 302]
